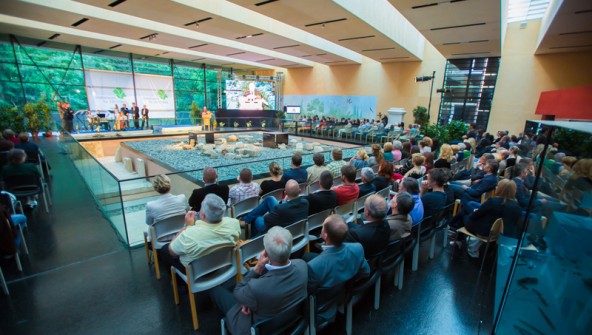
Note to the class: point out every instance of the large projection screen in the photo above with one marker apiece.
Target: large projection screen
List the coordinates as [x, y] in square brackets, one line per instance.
[249, 95]
[105, 89]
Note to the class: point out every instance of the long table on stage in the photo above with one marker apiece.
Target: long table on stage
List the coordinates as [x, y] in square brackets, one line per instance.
[242, 116]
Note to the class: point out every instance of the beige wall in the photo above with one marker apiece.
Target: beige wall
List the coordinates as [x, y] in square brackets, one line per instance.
[393, 83]
[523, 76]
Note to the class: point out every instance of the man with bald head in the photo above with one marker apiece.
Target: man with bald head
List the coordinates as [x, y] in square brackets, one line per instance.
[270, 212]
[373, 234]
[210, 186]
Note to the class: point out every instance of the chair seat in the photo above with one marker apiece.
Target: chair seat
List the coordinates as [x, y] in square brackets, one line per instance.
[466, 232]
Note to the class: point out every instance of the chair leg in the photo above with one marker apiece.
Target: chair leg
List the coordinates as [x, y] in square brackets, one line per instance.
[222, 327]
[192, 304]
[17, 259]
[454, 246]
[156, 264]
[3, 282]
[23, 243]
[401, 274]
[377, 293]
[348, 318]
[175, 287]
[445, 236]
[146, 248]
[311, 316]
[432, 245]
[415, 260]
[484, 256]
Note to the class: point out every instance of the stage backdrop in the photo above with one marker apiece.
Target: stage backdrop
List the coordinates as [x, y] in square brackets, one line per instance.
[334, 105]
[105, 89]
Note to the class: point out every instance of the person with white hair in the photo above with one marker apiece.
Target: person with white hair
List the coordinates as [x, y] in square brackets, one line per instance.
[273, 285]
[366, 186]
[166, 205]
[210, 232]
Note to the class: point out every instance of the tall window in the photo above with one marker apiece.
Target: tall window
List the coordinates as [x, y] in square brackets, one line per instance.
[471, 83]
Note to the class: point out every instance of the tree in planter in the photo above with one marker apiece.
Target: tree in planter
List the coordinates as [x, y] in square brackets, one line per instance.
[38, 116]
[420, 114]
[195, 114]
[11, 118]
[455, 130]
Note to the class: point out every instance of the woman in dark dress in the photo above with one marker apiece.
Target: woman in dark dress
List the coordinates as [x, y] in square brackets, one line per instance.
[445, 157]
[276, 179]
[384, 176]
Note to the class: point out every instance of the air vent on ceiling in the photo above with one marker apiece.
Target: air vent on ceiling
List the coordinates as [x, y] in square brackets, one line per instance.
[115, 3]
[577, 32]
[451, 43]
[41, 43]
[583, 11]
[54, 36]
[380, 49]
[336, 61]
[149, 37]
[478, 41]
[356, 38]
[265, 60]
[287, 46]
[197, 46]
[194, 60]
[286, 65]
[249, 36]
[197, 21]
[572, 46]
[79, 22]
[472, 53]
[460, 26]
[324, 22]
[304, 56]
[236, 53]
[389, 58]
[99, 52]
[263, 3]
[436, 4]
[164, 53]
[115, 46]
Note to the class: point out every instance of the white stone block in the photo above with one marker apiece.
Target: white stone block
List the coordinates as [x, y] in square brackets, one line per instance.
[140, 167]
[118, 157]
[128, 164]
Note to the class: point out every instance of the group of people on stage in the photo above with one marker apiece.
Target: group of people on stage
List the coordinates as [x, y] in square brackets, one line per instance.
[123, 116]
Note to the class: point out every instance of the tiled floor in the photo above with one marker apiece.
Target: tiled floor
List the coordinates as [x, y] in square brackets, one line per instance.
[79, 279]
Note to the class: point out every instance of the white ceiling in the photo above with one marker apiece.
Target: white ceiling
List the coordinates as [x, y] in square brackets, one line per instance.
[258, 34]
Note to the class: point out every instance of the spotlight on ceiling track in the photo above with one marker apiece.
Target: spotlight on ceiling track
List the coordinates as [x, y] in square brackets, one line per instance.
[444, 90]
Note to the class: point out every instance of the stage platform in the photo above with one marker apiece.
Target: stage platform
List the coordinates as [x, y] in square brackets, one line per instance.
[180, 129]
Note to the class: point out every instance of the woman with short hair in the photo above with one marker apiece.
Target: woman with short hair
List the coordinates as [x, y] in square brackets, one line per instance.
[360, 161]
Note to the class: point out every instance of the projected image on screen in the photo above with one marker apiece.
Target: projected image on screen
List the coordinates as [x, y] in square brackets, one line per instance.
[245, 94]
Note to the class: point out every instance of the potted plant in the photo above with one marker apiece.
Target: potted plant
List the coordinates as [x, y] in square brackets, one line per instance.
[222, 125]
[249, 124]
[38, 117]
[195, 114]
[262, 123]
[235, 124]
[12, 118]
[420, 114]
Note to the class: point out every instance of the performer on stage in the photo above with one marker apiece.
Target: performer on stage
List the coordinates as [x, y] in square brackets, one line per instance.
[206, 116]
[145, 117]
[62, 111]
[125, 111]
[135, 110]
[69, 117]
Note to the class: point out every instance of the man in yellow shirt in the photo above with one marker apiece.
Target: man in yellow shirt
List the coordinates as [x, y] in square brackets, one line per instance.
[210, 232]
[206, 117]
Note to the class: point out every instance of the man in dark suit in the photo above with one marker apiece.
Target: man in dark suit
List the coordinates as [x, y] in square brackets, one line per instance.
[210, 186]
[136, 114]
[145, 117]
[339, 261]
[297, 172]
[270, 212]
[325, 197]
[273, 285]
[486, 184]
[373, 234]
[125, 112]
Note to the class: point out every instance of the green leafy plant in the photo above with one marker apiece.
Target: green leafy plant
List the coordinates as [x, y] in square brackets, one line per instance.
[262, 123]
[235, 124]
[119, 93]
[575, 143]
[222, 124]
[38, 116]
[455, 130]
[436, 131]
[249, 123]
[195, 114]
[10, 117]
[280, 114]
[420, 114]
[162, 94]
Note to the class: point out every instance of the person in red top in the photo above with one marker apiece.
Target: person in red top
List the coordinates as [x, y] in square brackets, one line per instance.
[349, 190]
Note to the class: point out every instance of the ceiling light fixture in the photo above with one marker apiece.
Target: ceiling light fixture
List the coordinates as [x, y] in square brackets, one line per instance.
[150, 37]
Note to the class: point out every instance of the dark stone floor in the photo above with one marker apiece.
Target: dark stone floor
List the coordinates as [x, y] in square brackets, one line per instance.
[79, 279]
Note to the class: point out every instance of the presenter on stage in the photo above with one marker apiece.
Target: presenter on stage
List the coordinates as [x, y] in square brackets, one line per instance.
[206, 117]
[145, 117]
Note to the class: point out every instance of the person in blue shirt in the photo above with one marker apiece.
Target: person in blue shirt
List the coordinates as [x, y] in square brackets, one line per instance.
[411, 186]
[297, 172]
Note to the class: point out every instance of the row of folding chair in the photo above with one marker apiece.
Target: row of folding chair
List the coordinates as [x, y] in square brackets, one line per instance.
[20, 249]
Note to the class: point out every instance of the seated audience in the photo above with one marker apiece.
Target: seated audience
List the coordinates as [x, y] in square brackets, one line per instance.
[209, 233]
[335, 166]
[418, 170]
[410, 186]
[17, 166]
[366, 186]
[475, 173]
[513, 157]
[270, 212]
[339, 261]
[360, 160]
[276, 182]
[388, 152]
[376, 157]
[400, 221]
[566, 169]
[424, 147]
[314, 172]
[31, 149]
[477, 188]
[325, 198]
[246, 188]
[428, 162]
[211, 186]
[273, 285]
[349, 190]
[5, 145]
[373, 234]
[435, 200]
[166, 205]
[297, 172]
[10, 136]
[384, 177]
[445, 158]
[397, 150]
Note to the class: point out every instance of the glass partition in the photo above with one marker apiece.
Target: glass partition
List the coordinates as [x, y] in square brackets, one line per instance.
[544, 286]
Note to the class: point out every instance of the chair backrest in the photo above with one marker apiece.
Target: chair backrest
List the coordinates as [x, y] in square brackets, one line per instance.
[303, 188]
[360, 202]
[496, 229]
[392, 254]
[163, 231]
[244, 206]
[509, 172]
[375, 168]
[212, 269]
[315, 221]
[278, 194]
[19, 181]
[299, 231]
[314, 187]
[487, 195]
[294, 319]
[337, 181]
[326, 298]
[248, 251]
[345, 209]
[385, 193]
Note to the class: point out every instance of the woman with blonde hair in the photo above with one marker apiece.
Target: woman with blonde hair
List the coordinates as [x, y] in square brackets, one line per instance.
[275, 171]
[445, 158]
[166, 204]
[418, 170]
[376, 157]
[360, 161]
[388, 151]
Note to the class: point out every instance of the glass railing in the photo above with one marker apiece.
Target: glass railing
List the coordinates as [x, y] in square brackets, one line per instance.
[123, 200]
[544, 286]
